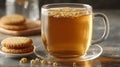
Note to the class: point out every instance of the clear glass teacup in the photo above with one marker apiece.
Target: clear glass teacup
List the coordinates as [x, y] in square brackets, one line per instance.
[67, 32]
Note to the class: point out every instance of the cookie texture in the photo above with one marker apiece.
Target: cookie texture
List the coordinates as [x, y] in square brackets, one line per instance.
[16, 42]
[14, 19]
[18, 51]
[14, 27]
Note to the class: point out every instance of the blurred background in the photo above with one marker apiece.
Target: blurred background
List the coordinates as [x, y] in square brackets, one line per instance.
[97, 4]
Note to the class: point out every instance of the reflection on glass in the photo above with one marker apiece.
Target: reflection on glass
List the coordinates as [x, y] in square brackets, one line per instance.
[28, 8]
[79, 64]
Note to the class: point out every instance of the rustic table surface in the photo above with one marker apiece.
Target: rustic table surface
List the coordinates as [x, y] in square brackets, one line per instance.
[111, 46]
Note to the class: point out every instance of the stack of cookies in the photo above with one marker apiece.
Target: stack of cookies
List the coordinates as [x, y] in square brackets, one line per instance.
[16, 24]
[17, 45]
[13, 22]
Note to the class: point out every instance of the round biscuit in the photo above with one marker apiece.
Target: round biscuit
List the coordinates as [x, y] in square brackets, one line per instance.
[13, 19]
[18, 51]
[14, 27]
[16, 42]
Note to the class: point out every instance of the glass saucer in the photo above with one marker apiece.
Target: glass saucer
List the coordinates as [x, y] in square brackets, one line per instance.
[93, 52]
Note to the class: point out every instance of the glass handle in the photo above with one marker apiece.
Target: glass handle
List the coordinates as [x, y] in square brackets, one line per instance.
[106, 30]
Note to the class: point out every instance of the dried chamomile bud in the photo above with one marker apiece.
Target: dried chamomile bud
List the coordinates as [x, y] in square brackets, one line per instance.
[55, 64]
[49, 62]
[32, 61]
[37, 60]
[23, 60]
[42, 61]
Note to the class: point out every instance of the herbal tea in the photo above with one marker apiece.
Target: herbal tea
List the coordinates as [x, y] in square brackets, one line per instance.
[67, 32]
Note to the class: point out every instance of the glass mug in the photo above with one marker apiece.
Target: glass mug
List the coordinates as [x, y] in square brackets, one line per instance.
[67, 31]
[28, 8]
